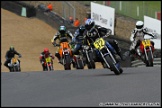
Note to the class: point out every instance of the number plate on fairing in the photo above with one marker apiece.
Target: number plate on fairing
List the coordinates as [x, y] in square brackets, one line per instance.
[99, 43]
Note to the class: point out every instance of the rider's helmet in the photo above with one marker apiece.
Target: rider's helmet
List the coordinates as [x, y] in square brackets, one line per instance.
[46, 51]
[89, 23]
[81, 29]
[62, 29]
[12, 48]
[139, 25]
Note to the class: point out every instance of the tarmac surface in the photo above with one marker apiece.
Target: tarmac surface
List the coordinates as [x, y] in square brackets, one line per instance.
[82, 88]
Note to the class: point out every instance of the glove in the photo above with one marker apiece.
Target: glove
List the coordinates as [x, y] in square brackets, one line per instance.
[133, 31]
[20, 56]
[154, 36]
[72, 43]
[54, 45]
[42, 62]
[53, 57]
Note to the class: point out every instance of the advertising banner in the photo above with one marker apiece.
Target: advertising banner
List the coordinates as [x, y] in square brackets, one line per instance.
[154, 26]
[103, 15]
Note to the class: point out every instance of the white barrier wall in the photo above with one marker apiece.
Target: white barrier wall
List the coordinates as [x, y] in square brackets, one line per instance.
[103, 15]
[154, 26]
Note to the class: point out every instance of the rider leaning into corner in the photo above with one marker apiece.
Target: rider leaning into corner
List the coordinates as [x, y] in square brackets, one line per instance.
[93, 32]
[77, 40]
[9, 55]
[44, 55]
[138, 35]
[62, 35]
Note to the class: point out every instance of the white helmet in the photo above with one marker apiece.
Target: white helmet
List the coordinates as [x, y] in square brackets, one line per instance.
[139, 25]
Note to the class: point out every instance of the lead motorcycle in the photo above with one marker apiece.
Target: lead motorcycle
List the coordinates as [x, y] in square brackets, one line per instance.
[104, 51]
[14, 64]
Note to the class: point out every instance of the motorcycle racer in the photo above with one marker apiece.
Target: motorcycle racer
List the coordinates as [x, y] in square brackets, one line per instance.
[9, 55]
[138, 35]
[63, 36]
[77, 40]
[94, 32]
[44, 55]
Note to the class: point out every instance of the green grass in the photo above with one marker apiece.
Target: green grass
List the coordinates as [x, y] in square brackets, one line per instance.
[129, 8]
[147, 8]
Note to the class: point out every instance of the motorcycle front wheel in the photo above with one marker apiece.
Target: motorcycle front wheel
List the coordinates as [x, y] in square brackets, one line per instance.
[112, 65]
[149, 62]
[67, 62]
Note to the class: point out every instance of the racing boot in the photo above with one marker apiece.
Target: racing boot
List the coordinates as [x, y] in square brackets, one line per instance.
[117, 57]
[44, 68]
[121, 70]
[58, 57]
[19, 66]
[119, 53]
[8, 66]
[73, 62]
[10, 69]
[117, 49]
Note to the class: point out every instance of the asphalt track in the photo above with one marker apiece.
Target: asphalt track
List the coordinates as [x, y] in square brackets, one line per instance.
[81, 88]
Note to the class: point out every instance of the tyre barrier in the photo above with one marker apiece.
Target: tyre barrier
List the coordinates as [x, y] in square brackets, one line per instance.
[137, 63]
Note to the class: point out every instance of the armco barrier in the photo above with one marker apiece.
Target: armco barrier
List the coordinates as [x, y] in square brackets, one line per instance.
[11, 6]
[137, 63]
[19, 8]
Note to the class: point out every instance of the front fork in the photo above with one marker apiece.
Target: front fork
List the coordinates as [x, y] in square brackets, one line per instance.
[146, 52]
[108, 53]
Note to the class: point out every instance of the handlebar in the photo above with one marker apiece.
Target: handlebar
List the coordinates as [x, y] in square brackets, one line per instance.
[19, 56]
[55, 45]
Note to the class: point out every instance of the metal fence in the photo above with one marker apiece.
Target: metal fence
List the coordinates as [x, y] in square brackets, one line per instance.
[68, 10]
[133, 9]
[65, 8]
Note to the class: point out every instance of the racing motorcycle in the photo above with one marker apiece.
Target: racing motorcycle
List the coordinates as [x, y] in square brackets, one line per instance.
[78, 61]
[65, 54]
[87, 54]
[104, 52]
[48, 64]
[145, 52]
[14, 64]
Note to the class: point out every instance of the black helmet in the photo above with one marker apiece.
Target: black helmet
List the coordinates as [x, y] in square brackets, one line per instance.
[12, 48]
[81, 29]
